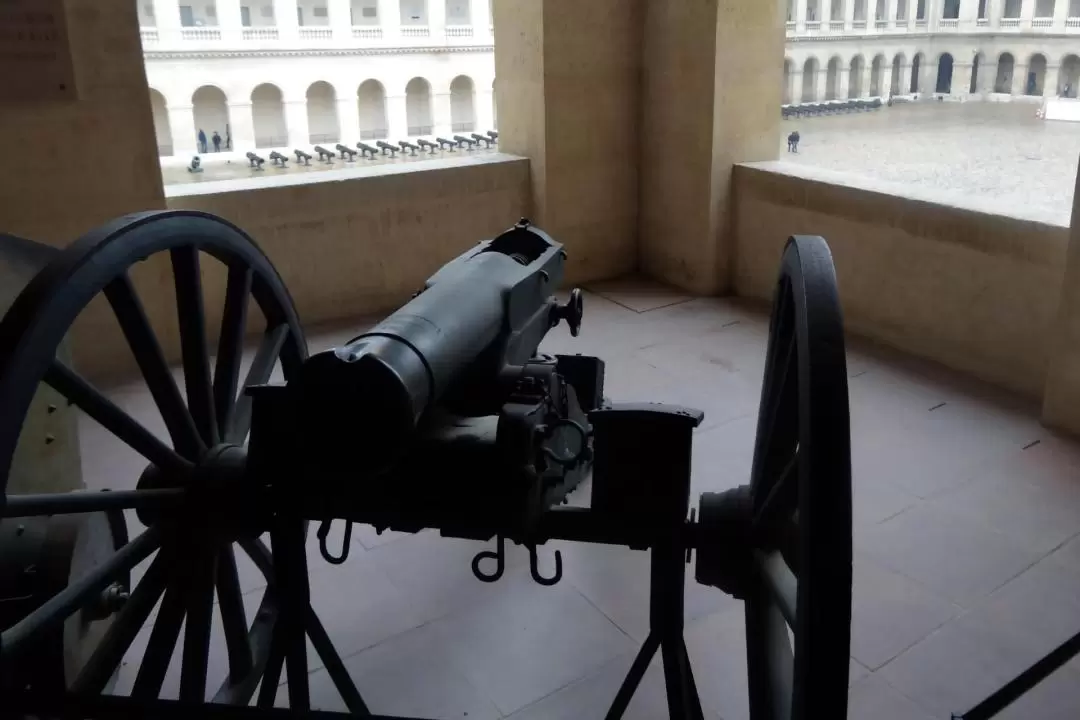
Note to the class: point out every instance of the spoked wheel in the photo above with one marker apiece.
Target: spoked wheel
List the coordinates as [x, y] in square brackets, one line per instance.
[785, 540]
[192, 480]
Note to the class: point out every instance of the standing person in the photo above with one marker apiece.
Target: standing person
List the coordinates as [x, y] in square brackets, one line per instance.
[795, 141]
[791, 142]
[202, 141]
[217, 142]
[228, 137]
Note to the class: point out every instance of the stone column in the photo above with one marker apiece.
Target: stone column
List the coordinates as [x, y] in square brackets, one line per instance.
[340, 12]
[796, 85]
[1027, 11]
[849, 15]
[890, 12]
[800, 16]
[821, 91]
[288, 24]
[397, 116]
[228, 17]
[481, 19]
[167, 21]
[843, 83]
[1050, 78]
[182, 128]
[1019, 78]
[867, 77]
[348, 112]
[296, 123]
[242, 126]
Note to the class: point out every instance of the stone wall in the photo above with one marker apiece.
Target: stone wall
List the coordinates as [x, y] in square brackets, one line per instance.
[975, 291]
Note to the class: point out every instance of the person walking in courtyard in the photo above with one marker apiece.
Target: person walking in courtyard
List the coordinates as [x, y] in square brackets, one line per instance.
[202, 141]
[228, 137]
[217, 142]
[793, 141]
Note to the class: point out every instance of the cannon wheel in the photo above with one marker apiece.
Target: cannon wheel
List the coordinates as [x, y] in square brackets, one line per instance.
[195, 557]
[800, 492]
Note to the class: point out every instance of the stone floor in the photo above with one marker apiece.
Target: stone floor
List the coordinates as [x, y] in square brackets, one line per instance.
[967, 552]
[985, 150]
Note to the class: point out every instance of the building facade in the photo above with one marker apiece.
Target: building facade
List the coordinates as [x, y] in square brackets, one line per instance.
[963, 49]
[294, 73]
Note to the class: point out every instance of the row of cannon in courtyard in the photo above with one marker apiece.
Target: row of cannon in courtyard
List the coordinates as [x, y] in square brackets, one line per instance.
[381, 148]
[832, 107]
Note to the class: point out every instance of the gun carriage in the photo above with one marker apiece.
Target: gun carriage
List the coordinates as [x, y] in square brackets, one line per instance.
[446, 415]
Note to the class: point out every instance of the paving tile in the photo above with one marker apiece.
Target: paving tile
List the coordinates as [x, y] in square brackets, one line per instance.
[638, 293]
[409, 675]
[525, 641]
[1055, 698]
[890, 613]
[959, 560]
[717, 648]
[871, 698]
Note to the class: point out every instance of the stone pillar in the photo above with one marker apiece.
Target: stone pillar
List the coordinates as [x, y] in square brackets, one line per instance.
[961, 79]
[796, 85]
[242, 126]
[1061, 12]
[1050, 77]
[348, 112]
[288, 23]
[800, 16]
[397, 116]
[1027, 11]
[296, 123]
[436, 11]
[440, 111]
[1019, 78]
[867, 78]
[340, 12]
[710, 80]
[843, 83]
[821, 91]
[485, 112]
[890, 12]
[390, 19]
[228, 17]
[167, 21]
[1061, 397]
[182, 129]
[969, 15]
[849, 15]
[481, 19]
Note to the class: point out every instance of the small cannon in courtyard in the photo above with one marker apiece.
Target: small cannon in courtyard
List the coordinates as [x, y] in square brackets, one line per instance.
[445, 144]
[327, 156]
[278, 159]
[478, 138]
[302, 157]
[448, 414]
[406, 145]
[493, 135]
[386, 147]
[465, 142]
[347, 153]
[431, 147]
[367, 150]
[254, 161]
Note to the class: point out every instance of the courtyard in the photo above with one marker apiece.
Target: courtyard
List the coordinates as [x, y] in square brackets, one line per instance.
[992, 154]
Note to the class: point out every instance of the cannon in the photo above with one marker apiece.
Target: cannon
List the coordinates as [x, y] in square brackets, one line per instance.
[406, 145]
[196, 165]
[445, 144]
[278, 159]
[465, 142]
[478, 138]
[254, 161]
[431, 147]
[367, 150]
[347, 153]
[302, 157]
[386, 147]
[493, 135]
[327, 156]
[449, 415]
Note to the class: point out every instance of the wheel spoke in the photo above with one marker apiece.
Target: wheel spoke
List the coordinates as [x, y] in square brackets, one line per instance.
[256, 549]
[57, 608]
[155, 370]
[259, 640]
[333, 664]
[780, 583]
[125, 626]
[159, 650]
[233, 619]
[231, 342]
[87, 501]
[259, 373]
[87, 398]
[272, 677]
[194, 351]
[781, 664]
[782, 499]
[200, 607]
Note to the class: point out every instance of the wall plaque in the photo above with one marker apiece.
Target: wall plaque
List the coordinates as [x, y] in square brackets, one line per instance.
[35, 57]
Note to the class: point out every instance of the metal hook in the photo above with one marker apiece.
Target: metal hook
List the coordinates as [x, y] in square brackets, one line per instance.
[324, 531]
[535, 571]
[498, 555]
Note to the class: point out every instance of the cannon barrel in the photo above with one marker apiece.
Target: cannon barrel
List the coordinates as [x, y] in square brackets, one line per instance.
[480, 315]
